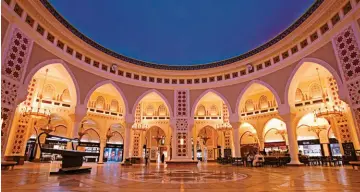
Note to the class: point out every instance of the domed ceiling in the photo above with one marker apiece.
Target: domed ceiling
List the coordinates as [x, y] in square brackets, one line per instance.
[181, 32]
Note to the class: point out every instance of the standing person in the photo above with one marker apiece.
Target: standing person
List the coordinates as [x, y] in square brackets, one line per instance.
[146, 160]
[250, 158]
[162, 158]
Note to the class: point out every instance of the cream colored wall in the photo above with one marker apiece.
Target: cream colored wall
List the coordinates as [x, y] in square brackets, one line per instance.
[108, 98]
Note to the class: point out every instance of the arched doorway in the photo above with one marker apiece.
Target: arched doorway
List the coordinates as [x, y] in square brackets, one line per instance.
[275, 137]
[248, 140]
[90, 139]
[155, 148]
[114, 148]
[207, 144]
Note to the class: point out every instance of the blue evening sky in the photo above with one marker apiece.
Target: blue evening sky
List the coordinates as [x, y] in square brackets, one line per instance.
[185, 32]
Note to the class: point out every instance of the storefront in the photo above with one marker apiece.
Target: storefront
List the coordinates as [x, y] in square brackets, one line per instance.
[30, 150]
[90, 147]
[248, 148]
[311, 148]
[334, 147]
[113, 152]
[275, 147]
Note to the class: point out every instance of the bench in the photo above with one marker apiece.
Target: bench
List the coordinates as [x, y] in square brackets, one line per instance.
[8, 164]
[354, 164]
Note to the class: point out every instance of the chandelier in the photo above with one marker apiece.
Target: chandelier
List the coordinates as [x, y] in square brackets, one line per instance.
[328, 109]
[158, 137]
[140, 126]
[38, 112]
[109, 134]
[223, 127]
[204, 137]
[316, 128]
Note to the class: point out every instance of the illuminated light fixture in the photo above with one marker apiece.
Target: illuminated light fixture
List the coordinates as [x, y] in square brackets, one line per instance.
[109, 134]
[224, 127]
[48, 128]
[328, 110]
[38, 112]
[316, 128]
[140, 126]
[158, 137]
[204, 137]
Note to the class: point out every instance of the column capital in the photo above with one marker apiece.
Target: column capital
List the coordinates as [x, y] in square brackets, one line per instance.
[235, 125]
[288, 117]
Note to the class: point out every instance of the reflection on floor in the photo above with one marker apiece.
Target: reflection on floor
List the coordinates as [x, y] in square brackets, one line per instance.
[210, 177]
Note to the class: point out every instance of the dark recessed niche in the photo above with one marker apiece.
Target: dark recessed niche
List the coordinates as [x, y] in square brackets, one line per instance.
[211, 79]
[276, 59]
[227, 76]
[204, 80]
[120, 72]
[60, 44]
[69, 50]
[259, 67]
[243, 72]
[167, 81]
[295, 49]
[152, 79]
[335, 19]
[304, 43]
[40, 29]
[78, 55]
[7, 2]
[196, 81]
[136, 77]
[347, 8]
[18, 10]
[219, 78]
[267, 63]
[87, 60]
[104, 67]
[189, 81]
[182, 81]
[173, 81]
[314, 36]
[128, 75]
[285, 55]
[143, 78]
[158, 80]
[324, 28]
[29, 20]
[96, 64]
[235, 74]
[50, 37]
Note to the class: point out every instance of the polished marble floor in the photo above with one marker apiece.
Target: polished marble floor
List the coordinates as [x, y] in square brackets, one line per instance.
[210, 177]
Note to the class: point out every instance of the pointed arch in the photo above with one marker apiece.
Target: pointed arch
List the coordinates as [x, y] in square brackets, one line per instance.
[290, 85]
[201, 111]
[74, 93]
[100, 84]
[263, 102]
[196, 103]
[251, 83]
[138, 100]
[162, 110]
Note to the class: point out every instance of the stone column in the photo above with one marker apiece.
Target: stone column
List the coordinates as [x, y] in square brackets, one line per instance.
[102, 147]
[127, 139]
[236, 138]
[77, 117]
[261, 143]
[291, 130]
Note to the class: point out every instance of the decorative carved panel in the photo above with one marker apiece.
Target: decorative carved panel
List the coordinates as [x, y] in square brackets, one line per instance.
[8, 92]
[181, 103]
[354, 92]
[6, 117]
[20, 134]
[344, 129]
[16, 55]
[136, 145]
[348, 53]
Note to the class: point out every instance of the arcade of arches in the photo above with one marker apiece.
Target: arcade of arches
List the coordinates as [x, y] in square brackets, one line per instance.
[296, 96]
[262, 121]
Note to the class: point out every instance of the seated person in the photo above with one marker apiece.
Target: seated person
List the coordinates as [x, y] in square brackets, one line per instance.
[258, 158]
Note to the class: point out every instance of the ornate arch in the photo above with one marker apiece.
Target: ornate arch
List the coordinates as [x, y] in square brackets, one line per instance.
[196, 103]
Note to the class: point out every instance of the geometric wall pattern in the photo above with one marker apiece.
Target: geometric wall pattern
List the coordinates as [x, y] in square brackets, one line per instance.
[181, 101]
[17, 53]
[354, 92]
[348, 53]
[15, 58]
[136, 144]
[343, 126]
[225, 113]
[20, 134]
